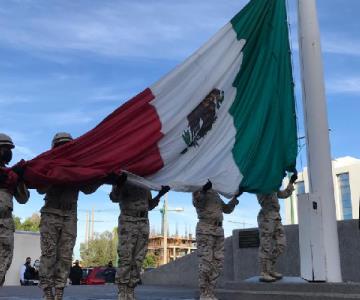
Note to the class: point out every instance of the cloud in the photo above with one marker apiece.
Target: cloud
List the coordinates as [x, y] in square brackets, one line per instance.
[117, 29]
[16, 136]
[112, 94]
[333, 45]
[11, 100]
[340, 45]
[349, 85]
[24, 152]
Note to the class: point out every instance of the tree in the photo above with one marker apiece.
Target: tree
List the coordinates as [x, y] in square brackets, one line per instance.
[149, 261]
[17, 222]
[30, 224]
[100, 250]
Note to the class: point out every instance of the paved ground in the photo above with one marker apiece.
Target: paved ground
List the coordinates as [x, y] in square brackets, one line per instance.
[289, 289]
[101, 293]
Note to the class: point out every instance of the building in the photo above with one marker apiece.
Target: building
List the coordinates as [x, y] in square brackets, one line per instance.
[346, 177]
[177, 246]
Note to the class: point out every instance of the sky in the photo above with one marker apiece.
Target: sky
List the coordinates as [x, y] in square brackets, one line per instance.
[65, 65]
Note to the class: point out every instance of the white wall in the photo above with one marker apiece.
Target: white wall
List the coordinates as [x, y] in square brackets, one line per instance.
[341, 165]
[25, 244]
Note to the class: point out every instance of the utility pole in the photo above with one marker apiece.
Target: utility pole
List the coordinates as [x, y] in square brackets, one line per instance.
[92, 223]
[164, 226]
[87, 229]
[319, 245]
[165, 229]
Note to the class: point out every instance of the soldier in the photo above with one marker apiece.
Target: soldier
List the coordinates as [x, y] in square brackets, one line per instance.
[271, 231]
[133, 232]
[58, 230]
[11, 184]
[210, 237]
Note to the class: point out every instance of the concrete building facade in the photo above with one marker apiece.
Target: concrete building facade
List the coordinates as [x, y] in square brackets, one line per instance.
[346, 178]
[177, 247]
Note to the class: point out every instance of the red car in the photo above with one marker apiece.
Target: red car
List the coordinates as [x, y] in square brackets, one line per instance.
[95, 277]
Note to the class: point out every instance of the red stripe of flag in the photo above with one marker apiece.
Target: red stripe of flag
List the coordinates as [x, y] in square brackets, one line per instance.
[125, 140]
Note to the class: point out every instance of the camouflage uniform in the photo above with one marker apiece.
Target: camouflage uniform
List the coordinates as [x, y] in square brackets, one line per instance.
[58, 230]
[271, 231]
[210, 238]
[7, 226]
[10, 185]
[133, 233]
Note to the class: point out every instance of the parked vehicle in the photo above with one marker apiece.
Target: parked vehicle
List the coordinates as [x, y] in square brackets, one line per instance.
[85, 273]
[95, 276]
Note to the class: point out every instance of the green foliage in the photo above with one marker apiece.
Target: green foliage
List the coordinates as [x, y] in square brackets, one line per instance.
[30, 224]
[149, 261]
[100, 250]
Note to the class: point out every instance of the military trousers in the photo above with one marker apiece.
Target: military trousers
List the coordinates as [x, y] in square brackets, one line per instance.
[272, 238]
[133, 236]
[6, 246]
[210, 251]
[57, 241]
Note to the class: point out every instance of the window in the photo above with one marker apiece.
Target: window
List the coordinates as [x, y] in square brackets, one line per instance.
[345, 195]
[300, 187]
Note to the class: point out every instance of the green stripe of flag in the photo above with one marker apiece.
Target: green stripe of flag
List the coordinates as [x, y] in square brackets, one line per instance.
[264, 107]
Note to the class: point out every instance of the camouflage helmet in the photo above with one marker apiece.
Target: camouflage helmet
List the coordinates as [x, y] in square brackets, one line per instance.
[61, 137]
[5, 140]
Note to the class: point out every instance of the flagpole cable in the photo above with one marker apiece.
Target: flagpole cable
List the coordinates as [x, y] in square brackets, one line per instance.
[299, 146]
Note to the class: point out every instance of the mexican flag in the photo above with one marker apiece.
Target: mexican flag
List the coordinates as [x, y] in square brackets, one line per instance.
[226, 114]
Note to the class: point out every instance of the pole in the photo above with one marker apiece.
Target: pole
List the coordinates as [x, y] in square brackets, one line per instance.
[92, 224]
[165, 230]
[317, 136]
[87, 229]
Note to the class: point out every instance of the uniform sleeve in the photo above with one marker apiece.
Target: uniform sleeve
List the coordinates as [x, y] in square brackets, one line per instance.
[44, 190]
[153, 202]
[228, 208]
[286, 193]
[199, 199]
[21, 193]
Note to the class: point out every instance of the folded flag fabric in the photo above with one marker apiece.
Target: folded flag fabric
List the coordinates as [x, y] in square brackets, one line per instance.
[227, 114]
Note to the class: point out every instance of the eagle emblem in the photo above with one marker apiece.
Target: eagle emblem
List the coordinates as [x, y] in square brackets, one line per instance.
[202, 118]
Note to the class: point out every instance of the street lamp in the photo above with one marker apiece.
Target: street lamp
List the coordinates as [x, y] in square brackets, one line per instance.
[164, 225]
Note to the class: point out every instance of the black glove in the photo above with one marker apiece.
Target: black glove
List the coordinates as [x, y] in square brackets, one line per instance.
[111, 178]
[293, 178]
[239, 193]
[207, 186]
[164, 190]
[19, 169]
[3, 177]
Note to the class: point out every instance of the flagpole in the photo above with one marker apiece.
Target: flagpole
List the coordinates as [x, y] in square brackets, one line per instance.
[317, 137]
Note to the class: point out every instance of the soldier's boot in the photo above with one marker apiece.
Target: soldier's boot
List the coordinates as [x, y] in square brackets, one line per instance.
[265, 272]
[2, 281]
[204, 295]
[122, 292]
[273, 273]
[130, 292]
[48, 294]
[59, 293]
[211, 294]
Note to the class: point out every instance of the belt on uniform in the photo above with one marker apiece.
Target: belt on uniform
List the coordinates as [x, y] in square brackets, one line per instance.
[136, 214]
[212, 222]
[5, 214]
